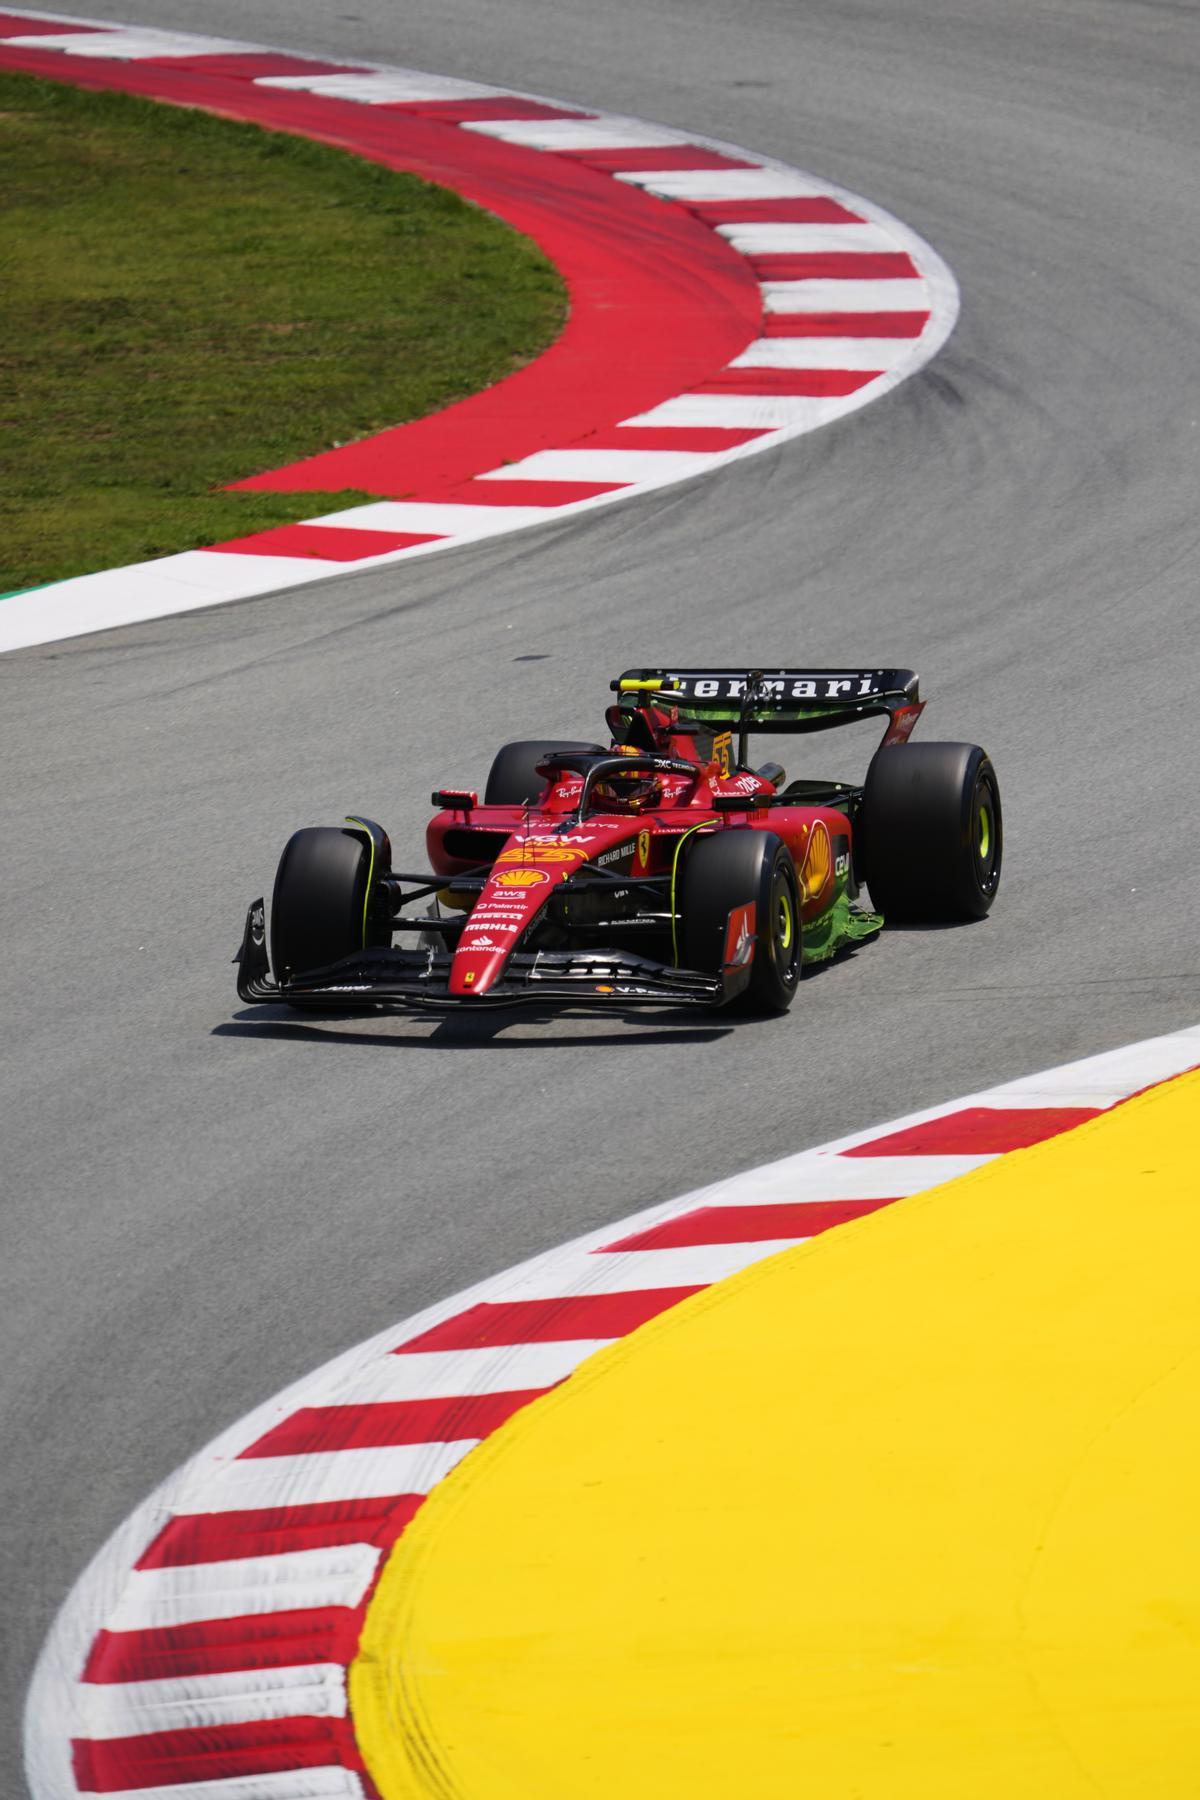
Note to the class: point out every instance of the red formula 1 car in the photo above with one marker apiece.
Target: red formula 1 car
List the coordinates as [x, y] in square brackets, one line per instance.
[661, 870]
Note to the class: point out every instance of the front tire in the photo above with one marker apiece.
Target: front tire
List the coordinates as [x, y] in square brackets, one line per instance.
[514, 780]
[736, 868]
[318, 910]
[932, 832]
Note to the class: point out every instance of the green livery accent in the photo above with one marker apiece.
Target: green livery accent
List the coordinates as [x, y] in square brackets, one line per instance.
[839, 926]
[718, 712]
[370, 873]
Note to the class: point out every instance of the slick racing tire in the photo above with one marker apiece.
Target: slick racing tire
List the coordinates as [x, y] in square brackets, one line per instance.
[932, 832]
[317, 910]
[514, 780]
[744, 867]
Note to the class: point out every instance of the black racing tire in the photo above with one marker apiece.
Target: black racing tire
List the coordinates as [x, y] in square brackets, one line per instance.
[741, 867]
[514, 780]
[319, 899]
[932, 833]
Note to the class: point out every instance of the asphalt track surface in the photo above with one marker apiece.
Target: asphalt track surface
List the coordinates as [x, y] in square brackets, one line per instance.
[200, 1204]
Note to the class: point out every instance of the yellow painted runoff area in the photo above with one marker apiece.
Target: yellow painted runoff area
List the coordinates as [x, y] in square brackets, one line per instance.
[907, 1513]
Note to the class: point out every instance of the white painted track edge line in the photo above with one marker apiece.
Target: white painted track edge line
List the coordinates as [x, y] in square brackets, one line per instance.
[52, 1711]
[329, 1781]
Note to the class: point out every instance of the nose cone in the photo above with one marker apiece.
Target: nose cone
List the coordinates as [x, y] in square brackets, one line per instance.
[513, 896]
[526, 873]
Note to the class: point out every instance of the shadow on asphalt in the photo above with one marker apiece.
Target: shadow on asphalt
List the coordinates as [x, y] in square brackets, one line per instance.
[473, 1034]
[483, 1030]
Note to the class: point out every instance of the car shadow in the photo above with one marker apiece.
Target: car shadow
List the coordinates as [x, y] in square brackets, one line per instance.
[479, 1033]
[481, 1030]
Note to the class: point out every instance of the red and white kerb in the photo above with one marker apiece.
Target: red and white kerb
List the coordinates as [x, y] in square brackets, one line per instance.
[721, 302]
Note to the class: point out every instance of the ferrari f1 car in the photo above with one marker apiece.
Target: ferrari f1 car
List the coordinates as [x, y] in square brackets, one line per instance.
[661, 869]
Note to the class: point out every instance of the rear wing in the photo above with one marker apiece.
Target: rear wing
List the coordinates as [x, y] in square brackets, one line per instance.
[784, 700]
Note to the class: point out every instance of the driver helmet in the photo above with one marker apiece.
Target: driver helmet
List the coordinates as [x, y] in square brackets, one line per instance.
[628, 793]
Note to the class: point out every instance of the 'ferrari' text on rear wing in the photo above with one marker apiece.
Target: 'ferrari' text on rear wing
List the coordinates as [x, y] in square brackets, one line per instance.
[778, 699]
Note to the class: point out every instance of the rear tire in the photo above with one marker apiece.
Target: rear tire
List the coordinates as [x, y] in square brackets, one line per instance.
[932, 832]
[317, 910]
[514, 780]
[744, 868]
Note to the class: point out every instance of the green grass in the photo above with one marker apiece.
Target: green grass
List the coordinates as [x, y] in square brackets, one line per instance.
[188, 301]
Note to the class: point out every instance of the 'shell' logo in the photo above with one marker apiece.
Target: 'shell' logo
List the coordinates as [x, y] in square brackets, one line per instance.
[521, 878]
[818, 861]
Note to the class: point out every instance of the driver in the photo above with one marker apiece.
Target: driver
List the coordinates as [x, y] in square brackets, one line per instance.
[633, 792]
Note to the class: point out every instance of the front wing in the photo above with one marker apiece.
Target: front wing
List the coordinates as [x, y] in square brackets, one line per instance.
[419, 979]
